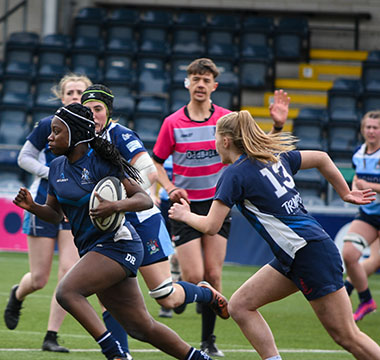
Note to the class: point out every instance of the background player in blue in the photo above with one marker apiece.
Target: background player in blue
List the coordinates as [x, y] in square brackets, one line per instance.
[261, 184]
[35, 157]
[109, 261]
[149, 224]
[365, 229]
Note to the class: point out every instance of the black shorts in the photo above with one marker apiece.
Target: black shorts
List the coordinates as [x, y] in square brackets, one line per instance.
[183, 233]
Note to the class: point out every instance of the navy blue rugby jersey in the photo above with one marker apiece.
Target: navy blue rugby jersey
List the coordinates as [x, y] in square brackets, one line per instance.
[72, 185]
[38, 137]
[266, 195]
[129, 145]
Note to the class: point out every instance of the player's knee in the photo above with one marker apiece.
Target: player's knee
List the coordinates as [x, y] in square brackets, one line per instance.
[39, 281]
[163, 291]
[354, 244]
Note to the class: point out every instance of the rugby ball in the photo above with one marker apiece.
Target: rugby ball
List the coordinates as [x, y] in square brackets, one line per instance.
[112, 189]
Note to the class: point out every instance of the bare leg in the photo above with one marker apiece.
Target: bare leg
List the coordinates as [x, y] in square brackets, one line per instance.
[265, 286]
[41, 252]
[351, 255]
[68, 256]
[334, 312]
[121, 296]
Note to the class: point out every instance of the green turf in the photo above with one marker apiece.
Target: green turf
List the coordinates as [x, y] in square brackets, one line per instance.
[297, 331]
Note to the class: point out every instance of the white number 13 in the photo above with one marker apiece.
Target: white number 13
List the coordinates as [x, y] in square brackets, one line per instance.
[288, 182]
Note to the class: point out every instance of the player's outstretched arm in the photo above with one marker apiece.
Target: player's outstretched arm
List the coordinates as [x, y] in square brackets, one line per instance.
[209, 224]
[323, 162]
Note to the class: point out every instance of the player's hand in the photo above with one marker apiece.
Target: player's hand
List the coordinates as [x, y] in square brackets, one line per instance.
[23, 199]
[179, 211]
[104, 209]
[360, 197]
[176, 194]
[279, 109]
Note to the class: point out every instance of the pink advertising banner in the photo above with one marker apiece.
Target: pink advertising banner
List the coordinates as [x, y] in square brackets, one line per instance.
[11, 236]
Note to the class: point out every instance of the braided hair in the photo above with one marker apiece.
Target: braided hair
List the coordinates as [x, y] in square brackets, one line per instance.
[80, 124]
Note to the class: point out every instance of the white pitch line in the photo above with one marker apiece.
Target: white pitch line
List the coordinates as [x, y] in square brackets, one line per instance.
[316, 351]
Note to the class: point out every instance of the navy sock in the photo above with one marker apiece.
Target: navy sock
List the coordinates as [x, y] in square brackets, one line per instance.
[194, 293]
[110, 346]
[349, 287]
[195, 354]
[116, 330]
[365, 296]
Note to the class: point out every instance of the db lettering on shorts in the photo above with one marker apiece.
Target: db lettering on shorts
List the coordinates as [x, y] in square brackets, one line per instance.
[131, 259]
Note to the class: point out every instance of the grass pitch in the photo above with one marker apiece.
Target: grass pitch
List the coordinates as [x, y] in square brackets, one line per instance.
[298, 333]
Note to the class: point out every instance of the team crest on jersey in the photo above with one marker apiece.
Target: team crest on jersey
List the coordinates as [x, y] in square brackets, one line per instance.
[126, 136]
[85, 178]
[152, 246]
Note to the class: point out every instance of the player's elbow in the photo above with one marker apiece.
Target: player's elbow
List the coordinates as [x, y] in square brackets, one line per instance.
[211, 229]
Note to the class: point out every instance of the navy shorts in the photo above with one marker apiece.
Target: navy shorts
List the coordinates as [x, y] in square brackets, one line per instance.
[155, 239]
[34, 226]
[316, 270]
[183, 233]
[373, 220]
[128, 253]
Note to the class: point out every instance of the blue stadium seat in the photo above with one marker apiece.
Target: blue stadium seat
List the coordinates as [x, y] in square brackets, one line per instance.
[121, 38]
[309, 179]
[51, 63]
[374, 56]
[156, 18]
[13, 114]
[118, 68]
[256, 73]
[123, 16]
[221, 44]
[371, 75]
[178, 71]
[152, 105]
[190, 20]
[370, 101]
[342, 139]
[55, 42]
[23, 40]
[342, 107]
[291, 39]
[187, 42]
[179, 96]
[124, 101]
[310, 135]
[43, 97]
[20, 49]
[224, 98]
[150, 63]
[16, 91]
[19, 62]
[311, 196]
[312, 115]
[258, 24]
[86, 63]
[152, 82]
[153, 41]
[228, 78]
[41, 113]
[224, 22]
[13, 133]
[147, 127]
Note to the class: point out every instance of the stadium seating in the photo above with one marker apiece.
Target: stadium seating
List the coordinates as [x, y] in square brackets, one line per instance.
[221, 44]
[223, 22]
[178, 71]
[190, 20]
[371, 75]
[227, 78]
[118, 68]
[124, 101]
[342, 140]
[147, 127]
[16, 91]
[154, 42]
[310, 135]
[155, 18]
[257, 73]
[86, 63]
[291, 39]
[179, 96]
[51, 63]
[187, 42]
[43, 97]
[152, 105]
[370, 101]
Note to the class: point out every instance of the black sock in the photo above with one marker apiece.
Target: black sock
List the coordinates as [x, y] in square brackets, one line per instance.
[208, 322]
[349, 287]
[51, 335]
[365, 296]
